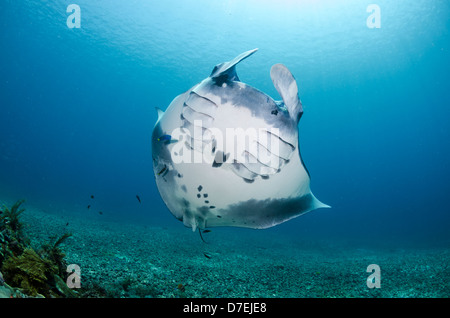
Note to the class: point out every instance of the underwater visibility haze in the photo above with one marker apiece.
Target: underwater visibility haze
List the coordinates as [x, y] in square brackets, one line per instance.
[80, 82]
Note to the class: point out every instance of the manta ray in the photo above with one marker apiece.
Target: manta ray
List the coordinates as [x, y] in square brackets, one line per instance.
[226, 154]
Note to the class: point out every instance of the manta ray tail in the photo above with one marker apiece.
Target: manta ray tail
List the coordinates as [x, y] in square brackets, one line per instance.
[201, 236]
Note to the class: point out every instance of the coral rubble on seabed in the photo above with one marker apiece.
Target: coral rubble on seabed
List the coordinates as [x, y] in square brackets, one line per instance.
[121, 259]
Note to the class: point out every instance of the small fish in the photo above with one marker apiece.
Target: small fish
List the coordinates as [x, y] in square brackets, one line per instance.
[207, 255]
[67, 223]
[181, 287]
[139, 199]
[162, 170]
[89, 206]
[164, 138]
[100, 212]
[92, 196]
[167, 139]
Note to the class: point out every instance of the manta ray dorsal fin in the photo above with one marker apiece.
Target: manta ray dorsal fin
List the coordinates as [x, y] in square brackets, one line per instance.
[160, 113]
[286, 86]
[227, 70]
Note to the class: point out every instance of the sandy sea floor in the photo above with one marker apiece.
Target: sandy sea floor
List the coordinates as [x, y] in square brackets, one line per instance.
[119, 259]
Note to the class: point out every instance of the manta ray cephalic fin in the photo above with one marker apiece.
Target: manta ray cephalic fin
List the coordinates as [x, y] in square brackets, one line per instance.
[227, 70]
[286, 86]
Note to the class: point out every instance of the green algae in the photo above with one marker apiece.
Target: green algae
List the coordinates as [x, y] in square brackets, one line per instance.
[29, 272]
[53, 252]
[10, 217]
[33, 272]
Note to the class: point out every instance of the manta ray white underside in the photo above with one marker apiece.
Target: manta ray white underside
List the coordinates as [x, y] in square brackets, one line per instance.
[226, 154]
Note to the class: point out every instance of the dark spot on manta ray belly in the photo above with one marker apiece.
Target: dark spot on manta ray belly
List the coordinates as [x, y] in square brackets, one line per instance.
[274, 112]
[198, 195]
[199, 188]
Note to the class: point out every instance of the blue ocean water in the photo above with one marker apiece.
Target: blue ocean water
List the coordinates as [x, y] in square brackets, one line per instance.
[78, 104]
